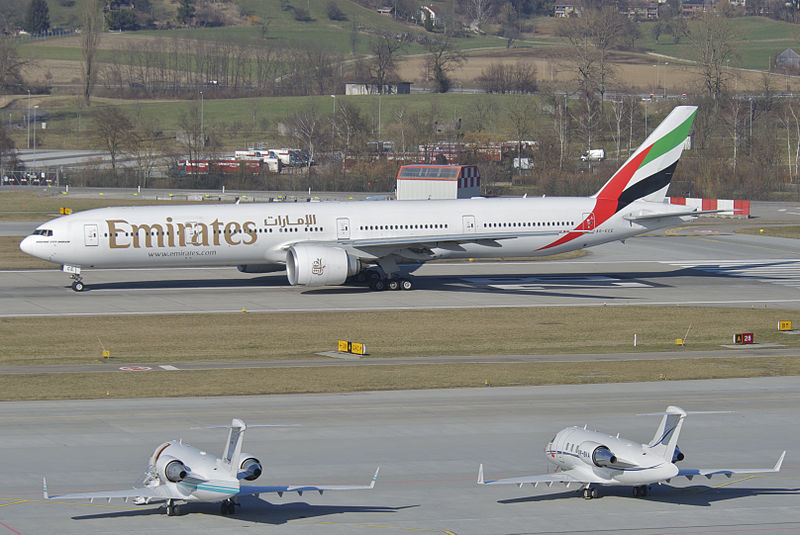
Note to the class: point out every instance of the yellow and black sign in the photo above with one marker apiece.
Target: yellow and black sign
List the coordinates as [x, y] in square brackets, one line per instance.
[352, 347]
[785, 325]
[64, 211]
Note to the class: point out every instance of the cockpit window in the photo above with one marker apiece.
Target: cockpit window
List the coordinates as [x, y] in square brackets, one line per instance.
[42, 232]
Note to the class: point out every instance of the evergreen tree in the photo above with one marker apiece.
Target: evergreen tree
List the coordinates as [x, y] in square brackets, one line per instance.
[38, 18]
[185, 11]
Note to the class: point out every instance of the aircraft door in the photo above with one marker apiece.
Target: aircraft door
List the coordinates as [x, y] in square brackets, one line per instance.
[588, 222]
[90, 236]
[343, 228]
[469, 224]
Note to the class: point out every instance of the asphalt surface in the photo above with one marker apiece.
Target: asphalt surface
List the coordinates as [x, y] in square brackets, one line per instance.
[428, 445]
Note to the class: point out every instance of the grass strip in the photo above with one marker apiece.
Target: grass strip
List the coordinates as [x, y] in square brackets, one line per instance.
[352, 379]
[783, 231]
[387, 334]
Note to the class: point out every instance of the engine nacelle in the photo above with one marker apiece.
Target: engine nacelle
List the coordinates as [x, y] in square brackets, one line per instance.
[250, 467]
[677, 455]
[171, 469]
[260, 268]
[601, 455]
[319, 265]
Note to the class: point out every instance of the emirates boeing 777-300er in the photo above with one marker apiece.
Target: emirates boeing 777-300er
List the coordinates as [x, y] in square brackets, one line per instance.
[329, 243]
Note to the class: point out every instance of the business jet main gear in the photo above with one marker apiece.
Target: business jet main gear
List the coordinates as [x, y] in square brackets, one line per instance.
[333, 243]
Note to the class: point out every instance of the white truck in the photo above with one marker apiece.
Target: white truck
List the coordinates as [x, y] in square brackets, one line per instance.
[291, 157]
[594, 155]
[266, 157]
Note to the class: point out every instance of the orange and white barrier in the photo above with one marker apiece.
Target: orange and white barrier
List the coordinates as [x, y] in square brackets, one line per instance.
[731, 208]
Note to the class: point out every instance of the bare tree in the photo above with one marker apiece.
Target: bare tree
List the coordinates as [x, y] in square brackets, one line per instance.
[112, 128]
[90, 39]
[521, 110]
[11, 66]
[192, 137]
[713, 44]
[383, 65]
[441, 60]
[146, 145]
[479, 11]
[305, 127]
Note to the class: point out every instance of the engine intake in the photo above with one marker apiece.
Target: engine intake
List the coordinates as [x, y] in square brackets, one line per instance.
[319, 265]
[677, 455]
[250, 468]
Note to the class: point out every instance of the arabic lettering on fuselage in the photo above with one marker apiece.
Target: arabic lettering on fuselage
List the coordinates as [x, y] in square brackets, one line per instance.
[123, 234]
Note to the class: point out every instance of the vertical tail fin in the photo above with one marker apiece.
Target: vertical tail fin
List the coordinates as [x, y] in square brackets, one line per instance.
[666, 438]
[648, 171]
[233, 447]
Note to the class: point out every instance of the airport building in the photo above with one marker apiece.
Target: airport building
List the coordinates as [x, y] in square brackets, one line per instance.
[421, 182]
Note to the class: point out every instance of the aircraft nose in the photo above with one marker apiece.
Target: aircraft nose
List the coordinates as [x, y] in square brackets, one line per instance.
[26, 245]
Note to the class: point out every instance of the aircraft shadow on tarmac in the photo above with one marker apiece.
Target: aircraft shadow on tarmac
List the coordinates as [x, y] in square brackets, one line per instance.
[254, 510]
[698, 495]
[604, 286]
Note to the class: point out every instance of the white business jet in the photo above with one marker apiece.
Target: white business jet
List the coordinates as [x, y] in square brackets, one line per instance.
[180, 472]
[331, 243]
[589, 458]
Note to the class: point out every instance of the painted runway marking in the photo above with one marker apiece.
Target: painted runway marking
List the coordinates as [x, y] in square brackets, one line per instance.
[781, 272]
[556, 282]
[168, 367]
[135, 368]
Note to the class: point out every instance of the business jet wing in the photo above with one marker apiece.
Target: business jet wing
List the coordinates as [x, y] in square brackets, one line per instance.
[246, 490]
[728, 472]
[160, 492]
[566, 477]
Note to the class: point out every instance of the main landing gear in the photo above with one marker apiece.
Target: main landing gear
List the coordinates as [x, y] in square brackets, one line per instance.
[590, 492]
[172, 508]
[378, 281]
[228, 507]
[640, 491]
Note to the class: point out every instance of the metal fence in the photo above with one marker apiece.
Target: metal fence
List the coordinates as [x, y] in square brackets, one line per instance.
[40, 177]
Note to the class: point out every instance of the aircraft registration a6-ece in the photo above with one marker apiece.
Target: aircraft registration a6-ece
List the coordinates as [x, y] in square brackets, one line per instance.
[334, 243]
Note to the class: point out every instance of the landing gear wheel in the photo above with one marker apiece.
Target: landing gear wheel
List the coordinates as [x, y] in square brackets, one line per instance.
[587, 493]
[227, 507]
[640, 491]
[594, 493]
[172, 509]
[378, 285]
[405, 284]
[393, 284]
[78, 286]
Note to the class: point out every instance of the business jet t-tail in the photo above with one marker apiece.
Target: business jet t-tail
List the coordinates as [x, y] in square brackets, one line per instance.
[178, 472]
[332, 243]
[590, 458]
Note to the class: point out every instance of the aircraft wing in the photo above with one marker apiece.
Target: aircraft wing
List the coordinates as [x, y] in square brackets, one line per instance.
[467, 237]
[566, 477]
[710, 472]
[246, 490]
[160, 492]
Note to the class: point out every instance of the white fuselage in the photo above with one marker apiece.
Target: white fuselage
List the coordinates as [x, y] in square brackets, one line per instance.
[259, 234]
[208, 478]
[637, 464]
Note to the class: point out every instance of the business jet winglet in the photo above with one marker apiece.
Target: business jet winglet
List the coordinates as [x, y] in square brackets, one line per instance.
[334, 243]
[180, 472]
[589, 458]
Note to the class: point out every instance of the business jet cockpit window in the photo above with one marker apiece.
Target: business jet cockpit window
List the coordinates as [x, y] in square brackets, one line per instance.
[42, 232]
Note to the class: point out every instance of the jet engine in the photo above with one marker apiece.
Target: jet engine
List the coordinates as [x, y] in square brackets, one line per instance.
[319, 265]
[260, 268]
[171, 469]
[677, 455]
[250, 467]
[601, 455]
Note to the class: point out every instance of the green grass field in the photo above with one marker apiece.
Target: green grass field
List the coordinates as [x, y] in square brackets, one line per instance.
[390, 334]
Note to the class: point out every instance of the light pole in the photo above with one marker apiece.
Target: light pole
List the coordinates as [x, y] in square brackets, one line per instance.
[657, 84]
[202, 130]
[664, 78]
[29, 119]
[34, 135]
